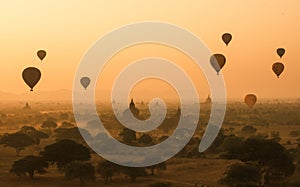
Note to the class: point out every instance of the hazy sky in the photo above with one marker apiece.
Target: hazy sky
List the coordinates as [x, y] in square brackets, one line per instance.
[66, 29]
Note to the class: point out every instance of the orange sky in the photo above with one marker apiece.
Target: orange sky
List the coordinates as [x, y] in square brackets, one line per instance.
[66, 29]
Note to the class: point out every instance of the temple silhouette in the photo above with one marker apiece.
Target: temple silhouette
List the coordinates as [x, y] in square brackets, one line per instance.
[26, 107]
[132, 109]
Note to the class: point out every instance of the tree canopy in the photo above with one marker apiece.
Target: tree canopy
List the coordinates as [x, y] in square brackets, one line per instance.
[267, 152]
[64, 152]
[49, 124]
[84, 171]
[71, 134]
[29, 164]
[107, 170]
[33, 133]
[128, 135]
[242, 174]
[17, 140]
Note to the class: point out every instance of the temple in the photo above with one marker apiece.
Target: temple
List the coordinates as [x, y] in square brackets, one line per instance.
[26, 107]
[132, 108]
[208, 100]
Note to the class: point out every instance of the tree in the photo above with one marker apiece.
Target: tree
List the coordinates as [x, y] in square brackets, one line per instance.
[107, 170]
[128, 135]
[160, 166]
[64, 116]
[218, 140]
[17, 140]
[71, 134]
[33, 133]
[49, 124]
[295, 133]
[248, 129]
[146, 139]
[133, 172]
[295, 179]
[242, 174]
[275, 136]
[85, 171]
[231, 146]
[269, 154]
[261, 135]
[231, 130]
[29, 164]
[64, 152]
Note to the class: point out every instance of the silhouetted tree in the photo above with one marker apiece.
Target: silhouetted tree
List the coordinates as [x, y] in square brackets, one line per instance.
[275, 136]
[160, 166]
[17, 140]
[248, 129]
[65, 151]
[84, 171]
[29, 164]
[242, 174]
[261, 135]
[49, 124]
[128, 135]
[218, 141]
[71, 134]
[107, 170]
[268, 153]
[231, 146]
[146, 139]
[64, 116]
[231, 130]
[295, 133]
[133, 172]
[33, 133]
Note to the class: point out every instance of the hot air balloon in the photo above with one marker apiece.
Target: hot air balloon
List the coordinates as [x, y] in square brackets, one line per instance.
[31, 76]
[278, 68]
[280, 52]
[41, 54]
[85, 82]
[226, 37]
[250, 100]
[217, 61]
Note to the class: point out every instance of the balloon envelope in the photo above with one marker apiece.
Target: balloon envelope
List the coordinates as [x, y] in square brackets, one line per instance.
[250, 100]
[280, 52]
[85, 82]
[31, 76]
[41, 54]
[217, 61]
[278, 68]
[226, 37]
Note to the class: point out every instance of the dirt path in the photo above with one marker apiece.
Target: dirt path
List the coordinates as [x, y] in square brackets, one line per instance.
[177, 182]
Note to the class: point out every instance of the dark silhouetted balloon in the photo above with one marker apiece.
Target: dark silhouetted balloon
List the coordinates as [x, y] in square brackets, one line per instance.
[226, 37]
[250, 100]
[31, 76]
[41, 54]
[280, 52]
[85, 82]
[217, 61]
[278, 68]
